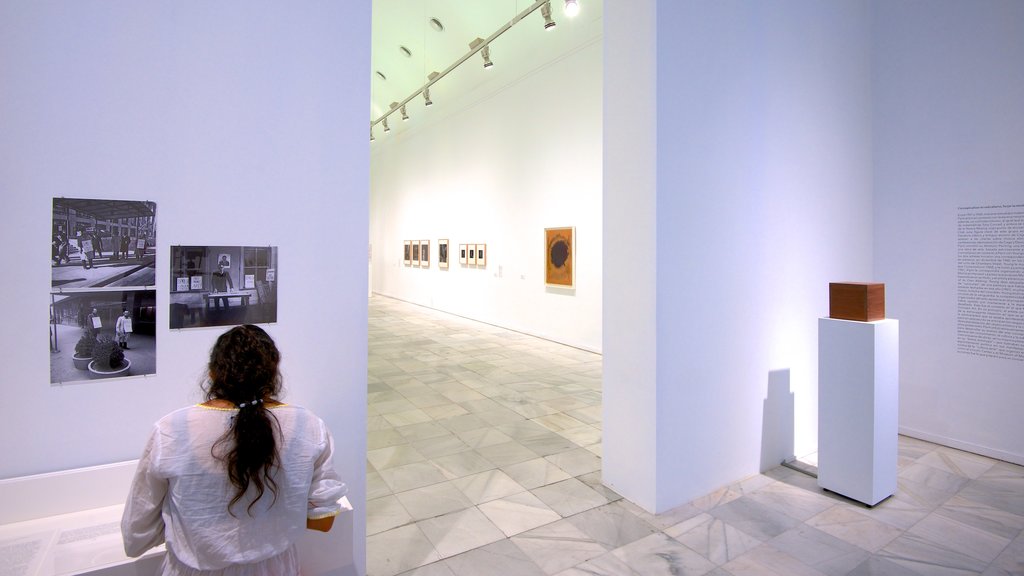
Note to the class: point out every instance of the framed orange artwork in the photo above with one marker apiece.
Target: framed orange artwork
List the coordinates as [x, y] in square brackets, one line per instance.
[559, 257]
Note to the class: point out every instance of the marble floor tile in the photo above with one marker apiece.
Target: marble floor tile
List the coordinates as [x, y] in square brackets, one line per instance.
[375, 485]
[795, 502]
[576, 462]
[434, 500]
[593, 480]
[926, 557]
[398, 550]
[518, 513]
[932, 478]
[998, 489]
[768, 561]
[860, 529]
[957, 462]
[664, 520]
[875, 566]
[558, 546]
[657, 555]
[462, 464]
[438, 568]
[1010, 562]
[423, 401]
[410, 476]
[383, 514]
[393, 406]
[414, 431]
[712, 538]
[506, 453]
[958, 537]
[502, 558]
[462, 423]
[754, 518]
[457, 532]
[585, 435]
[487, 486]
[383, 438]
[604, 565]
[446, 410]
[483, 437]
[548, 444]
[992, 520]
[535, 473]
[440, 446]
[558, 421]
[569, 497]
[391, 456]
[823, 552]
[611, 525]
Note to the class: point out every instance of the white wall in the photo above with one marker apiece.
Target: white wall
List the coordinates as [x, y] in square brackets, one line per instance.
[948, 132]
[763, 197]
[527, 158]
[243, 124]
[629, 433]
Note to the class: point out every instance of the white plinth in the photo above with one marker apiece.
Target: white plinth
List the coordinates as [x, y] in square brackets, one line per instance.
[858, 406]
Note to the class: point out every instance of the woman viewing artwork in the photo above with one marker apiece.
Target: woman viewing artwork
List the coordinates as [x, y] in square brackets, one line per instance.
[231, 483]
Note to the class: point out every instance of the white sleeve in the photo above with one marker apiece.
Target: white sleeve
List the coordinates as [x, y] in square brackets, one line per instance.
[326, 488]
[142, 524]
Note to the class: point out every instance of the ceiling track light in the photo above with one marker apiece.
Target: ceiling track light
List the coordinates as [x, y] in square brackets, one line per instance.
[485, 51]
[371, 134]
[545, 11]
[405, 115]
[478, 45]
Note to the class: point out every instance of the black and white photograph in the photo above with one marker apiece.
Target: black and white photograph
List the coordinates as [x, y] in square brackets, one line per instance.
[101, 334]
[102, 243]
[407, 252]
[442, 254]
[223, 286]
[424, 253]
[463, 254]
[481, 258]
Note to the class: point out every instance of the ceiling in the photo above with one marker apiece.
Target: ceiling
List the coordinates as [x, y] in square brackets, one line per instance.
[524, 48]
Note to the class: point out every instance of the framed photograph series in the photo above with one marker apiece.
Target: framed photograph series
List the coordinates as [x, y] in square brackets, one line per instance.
[442, 254]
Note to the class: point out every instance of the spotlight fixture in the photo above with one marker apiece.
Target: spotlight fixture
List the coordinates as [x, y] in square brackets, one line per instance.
[385, 123]
[405, 115]
[545, 11]
[426, 97]
[572, 8]
[371, 134]
[485, 52]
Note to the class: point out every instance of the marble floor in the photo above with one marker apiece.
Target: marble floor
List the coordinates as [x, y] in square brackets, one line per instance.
[485, 459]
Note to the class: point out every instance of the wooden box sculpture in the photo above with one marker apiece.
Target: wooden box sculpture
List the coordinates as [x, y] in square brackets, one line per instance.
[860, 301]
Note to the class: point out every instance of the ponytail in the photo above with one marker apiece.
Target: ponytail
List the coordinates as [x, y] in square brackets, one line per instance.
[243, 370]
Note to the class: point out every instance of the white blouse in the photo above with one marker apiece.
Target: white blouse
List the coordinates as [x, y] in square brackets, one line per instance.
[180, 495]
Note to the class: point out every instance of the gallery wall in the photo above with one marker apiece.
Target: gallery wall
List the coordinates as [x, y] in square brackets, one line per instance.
[948, 135]
[498, 173]
[763, 197]
[242, 123]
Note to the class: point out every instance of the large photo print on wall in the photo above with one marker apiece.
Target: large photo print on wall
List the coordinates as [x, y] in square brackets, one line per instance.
[223, 286]
[559, 257]
[102, 289]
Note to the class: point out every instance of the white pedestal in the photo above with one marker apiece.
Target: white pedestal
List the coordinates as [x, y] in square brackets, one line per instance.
[858, 408]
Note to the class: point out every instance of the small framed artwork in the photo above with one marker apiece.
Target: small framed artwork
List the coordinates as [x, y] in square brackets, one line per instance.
[415, 253]
[442, 254]
[481, 254]
[425, 253]
[407, 252]
[559, 257]
[472, 254]
[463, 254]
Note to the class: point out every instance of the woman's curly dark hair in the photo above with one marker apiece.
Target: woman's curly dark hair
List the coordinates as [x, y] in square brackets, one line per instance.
[243, 368]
